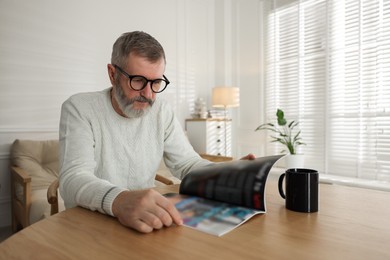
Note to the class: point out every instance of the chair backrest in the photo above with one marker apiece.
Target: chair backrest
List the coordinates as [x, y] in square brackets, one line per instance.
[39, 159]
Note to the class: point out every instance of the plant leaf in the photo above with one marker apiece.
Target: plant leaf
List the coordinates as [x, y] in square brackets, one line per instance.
[284, 132]
[281, 120]
[294, 125]
[296, 137]
[266, 126]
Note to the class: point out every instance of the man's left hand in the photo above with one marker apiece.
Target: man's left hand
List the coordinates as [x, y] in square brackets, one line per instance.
[250, 156]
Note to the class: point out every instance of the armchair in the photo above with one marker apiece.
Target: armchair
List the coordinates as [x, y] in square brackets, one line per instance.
[34, 166]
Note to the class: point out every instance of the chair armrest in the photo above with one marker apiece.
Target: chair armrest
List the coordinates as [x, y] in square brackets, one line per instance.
[19, 175]
[21, 197]
[163, 179]
[216, 158]
[52, 196]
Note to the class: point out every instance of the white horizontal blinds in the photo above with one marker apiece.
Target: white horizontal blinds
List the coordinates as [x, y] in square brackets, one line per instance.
[313, 81]
[359, 89]
[282, 66]
[271, 93]
[383, 100]
[344, 55]
[296, 62]
[344, 95]
[370, 28]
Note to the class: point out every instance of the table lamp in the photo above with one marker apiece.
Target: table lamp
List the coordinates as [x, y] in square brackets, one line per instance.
[226, 97]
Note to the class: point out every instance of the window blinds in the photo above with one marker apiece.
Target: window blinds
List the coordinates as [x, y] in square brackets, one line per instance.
[328, 66]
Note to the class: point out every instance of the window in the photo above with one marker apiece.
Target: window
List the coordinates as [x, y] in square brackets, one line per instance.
[328, 66]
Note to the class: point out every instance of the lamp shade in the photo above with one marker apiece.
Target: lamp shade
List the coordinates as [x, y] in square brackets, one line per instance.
[226, 97]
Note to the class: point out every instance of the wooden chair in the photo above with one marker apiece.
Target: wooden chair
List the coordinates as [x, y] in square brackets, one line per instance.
[34, 166]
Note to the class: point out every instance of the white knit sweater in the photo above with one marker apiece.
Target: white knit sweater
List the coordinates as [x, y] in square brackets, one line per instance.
[103, 153]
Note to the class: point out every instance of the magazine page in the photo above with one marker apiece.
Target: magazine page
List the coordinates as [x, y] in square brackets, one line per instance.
[240, 182]
[212, 217]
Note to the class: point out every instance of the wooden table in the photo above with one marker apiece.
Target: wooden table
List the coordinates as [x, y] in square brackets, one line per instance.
[352, 223]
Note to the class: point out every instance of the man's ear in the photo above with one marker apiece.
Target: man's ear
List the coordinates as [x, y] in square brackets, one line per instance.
[111, 73]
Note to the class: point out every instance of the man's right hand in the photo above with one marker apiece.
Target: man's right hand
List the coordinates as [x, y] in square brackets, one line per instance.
[145, 210]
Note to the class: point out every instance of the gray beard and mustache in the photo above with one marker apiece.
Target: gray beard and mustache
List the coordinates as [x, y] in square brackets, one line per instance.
[127, 105]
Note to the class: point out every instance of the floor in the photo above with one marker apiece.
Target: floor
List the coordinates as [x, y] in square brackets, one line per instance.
[5, 232]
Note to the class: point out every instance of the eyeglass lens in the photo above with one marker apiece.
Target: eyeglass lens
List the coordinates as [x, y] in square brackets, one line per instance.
[139, 82]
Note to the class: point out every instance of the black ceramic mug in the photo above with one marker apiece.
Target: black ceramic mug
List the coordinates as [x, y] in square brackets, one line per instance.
[301, 189]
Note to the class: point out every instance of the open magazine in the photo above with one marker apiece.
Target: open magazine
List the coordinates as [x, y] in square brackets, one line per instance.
[218, 198]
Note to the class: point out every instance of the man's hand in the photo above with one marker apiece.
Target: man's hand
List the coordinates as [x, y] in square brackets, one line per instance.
[249, 157]
[145, 210]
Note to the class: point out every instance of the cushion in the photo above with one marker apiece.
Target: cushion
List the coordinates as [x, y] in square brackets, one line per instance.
[39, 159]
[40, 208]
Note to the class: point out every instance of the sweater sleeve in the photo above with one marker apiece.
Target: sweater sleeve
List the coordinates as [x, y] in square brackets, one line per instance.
[179, 155]
[78, 184]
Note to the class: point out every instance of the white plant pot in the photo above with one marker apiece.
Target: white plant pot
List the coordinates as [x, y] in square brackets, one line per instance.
[294, 161]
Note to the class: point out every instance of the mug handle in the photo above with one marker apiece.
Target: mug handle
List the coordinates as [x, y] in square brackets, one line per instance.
[281, 185]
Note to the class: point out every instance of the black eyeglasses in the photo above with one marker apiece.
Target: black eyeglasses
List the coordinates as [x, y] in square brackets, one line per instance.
[138, 82]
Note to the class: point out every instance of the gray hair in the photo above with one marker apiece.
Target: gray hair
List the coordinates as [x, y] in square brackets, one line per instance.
[139, 43]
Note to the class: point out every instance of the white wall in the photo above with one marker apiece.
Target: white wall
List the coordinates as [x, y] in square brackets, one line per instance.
[50, 50]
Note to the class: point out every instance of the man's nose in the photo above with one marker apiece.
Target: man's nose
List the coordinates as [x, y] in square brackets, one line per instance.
[147, 91]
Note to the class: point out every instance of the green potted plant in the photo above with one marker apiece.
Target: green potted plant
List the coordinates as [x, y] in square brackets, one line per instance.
[288, 136]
